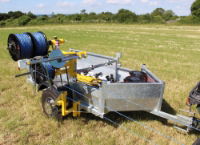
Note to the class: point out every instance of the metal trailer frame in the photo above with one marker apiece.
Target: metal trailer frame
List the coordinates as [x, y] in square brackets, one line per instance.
[119, 96]
[128, 96]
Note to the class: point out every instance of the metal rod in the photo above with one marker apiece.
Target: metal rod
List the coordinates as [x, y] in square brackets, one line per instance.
[24, 74]
[94, 54]
[60, 58]
[97, 65]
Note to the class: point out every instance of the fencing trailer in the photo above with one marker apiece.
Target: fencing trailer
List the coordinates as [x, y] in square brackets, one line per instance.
[74, 81]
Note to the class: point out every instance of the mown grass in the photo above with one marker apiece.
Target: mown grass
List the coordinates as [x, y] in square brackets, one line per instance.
[171, 52]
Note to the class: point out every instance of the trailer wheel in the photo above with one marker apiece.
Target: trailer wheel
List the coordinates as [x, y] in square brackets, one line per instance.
[48, 99]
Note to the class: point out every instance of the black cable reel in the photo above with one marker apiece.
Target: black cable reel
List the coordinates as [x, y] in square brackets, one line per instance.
[20, 46]
[31, 46]
[27, 45]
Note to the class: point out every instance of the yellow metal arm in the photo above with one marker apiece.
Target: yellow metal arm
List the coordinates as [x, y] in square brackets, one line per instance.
[88, 80]
[63, 102]
[79, 54]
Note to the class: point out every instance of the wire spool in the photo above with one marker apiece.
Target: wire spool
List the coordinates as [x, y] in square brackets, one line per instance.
[40, 43]
[43, 72]
[20, 46]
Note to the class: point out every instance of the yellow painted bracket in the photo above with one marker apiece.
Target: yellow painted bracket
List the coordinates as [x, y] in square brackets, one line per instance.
[62, 101]
[71, 64]
[76, 109]
[70, 68]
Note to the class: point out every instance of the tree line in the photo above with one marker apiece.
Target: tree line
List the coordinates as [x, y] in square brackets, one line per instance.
[158, 16]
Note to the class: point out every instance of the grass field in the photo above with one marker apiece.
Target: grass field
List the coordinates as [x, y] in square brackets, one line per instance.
[171, 52]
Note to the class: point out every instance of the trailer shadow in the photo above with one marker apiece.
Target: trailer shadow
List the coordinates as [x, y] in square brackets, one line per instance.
[167, 108]
[117, 118]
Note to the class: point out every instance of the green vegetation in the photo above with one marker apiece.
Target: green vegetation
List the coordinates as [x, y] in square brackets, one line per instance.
[158, 16]
[171, 52]
[195, 8]
[123, 16]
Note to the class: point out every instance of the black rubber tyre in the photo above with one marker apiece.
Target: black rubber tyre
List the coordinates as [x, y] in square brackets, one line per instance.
[48, 99]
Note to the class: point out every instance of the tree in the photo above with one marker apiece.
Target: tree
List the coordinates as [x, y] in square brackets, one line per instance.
[91, 16]
[158, 19]
[2, 23]
[77, 17]
[83, 11]
[3, 16]
[31, 15]
[58, 18]
[168, 15]
[15, 14]
[158, 12]
[195, 8]
[23, 20]
[146, 18]
[126, 16]
[189, 20]
[43, 18]
[106, 16]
